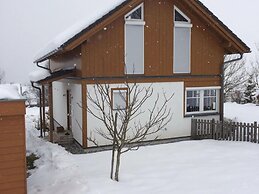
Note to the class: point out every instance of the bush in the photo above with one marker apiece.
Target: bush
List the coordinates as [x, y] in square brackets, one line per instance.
[30, 161]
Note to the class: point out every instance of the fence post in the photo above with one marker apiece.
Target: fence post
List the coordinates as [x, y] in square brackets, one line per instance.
[255, 132]
[244, 132]
[251, 132]
[222, 129]
[234, 131]
[194, 129]
[219, 130]
[238, 132]
[212, 128]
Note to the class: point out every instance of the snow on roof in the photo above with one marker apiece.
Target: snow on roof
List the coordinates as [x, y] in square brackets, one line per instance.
[95, 9]
[9, 92]
[39, 74]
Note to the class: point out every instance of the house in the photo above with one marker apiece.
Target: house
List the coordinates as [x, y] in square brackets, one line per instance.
[177, 45]
[13, 170]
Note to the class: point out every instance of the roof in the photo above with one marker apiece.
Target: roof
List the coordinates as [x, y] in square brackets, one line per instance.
[101, 13]
[58, 75]
[9, 92]
[95, 10]
[214, 17]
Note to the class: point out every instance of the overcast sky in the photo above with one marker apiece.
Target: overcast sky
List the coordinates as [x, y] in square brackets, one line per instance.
[27, 25]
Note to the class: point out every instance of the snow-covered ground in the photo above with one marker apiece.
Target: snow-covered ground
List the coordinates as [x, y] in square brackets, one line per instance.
[242, 113]
[196, 167]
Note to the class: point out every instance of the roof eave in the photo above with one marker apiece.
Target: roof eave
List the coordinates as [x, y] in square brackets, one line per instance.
[47, 56]
[66, 44]
[62, 74]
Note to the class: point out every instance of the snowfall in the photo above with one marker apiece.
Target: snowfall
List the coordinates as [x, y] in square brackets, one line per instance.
[196, 167]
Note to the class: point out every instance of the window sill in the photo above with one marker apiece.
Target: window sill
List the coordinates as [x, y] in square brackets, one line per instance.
[175, 73]
[134, 75]
[201, 114]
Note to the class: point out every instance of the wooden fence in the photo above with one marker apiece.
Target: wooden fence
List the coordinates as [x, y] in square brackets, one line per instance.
[232, 131]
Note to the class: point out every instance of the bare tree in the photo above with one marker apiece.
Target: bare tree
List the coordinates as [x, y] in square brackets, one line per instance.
[254, 72]
[235, 75]
[124, 125]
[2, 76]
[31, 95]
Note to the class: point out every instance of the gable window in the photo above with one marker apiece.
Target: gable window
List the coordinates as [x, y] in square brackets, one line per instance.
[119, 98]
[134, 41]
[202, 100]
[182, 42]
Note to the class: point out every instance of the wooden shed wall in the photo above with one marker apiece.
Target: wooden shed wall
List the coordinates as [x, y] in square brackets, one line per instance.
[103, 53]
[12, 148]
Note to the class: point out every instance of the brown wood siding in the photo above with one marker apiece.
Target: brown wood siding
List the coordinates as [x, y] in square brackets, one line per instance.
[103, 53]
[207, 51]
[12, 147]
[158, 37]
[68, 59]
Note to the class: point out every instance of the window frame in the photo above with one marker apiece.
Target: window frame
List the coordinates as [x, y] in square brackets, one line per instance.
[209, 97]
[201, 103]
[138, 22]
[180, 24]
[112, 98]
[133, 10]
[184, 15]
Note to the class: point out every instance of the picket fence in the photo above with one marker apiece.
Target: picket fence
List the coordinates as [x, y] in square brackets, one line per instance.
[231, 131]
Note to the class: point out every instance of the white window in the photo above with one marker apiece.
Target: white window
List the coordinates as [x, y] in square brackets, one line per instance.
[182, 42]
[119, 99]
[193, 101]
[210, 100]
[134, 41]
[202, 100]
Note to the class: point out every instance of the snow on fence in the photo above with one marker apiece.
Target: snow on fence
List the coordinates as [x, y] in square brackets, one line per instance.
[232, 131]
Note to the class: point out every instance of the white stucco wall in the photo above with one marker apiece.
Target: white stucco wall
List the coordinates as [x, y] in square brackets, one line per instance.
[60, 103]
[179, 126]
[76, 111]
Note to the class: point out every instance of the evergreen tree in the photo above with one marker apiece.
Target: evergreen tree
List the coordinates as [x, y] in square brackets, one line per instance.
[250, 91]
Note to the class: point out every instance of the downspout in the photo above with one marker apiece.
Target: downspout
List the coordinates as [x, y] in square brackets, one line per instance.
[222, 84]
[42, 67]
[42, 113]
[38, 88]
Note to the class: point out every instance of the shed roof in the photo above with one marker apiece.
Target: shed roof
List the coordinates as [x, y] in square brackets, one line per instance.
[9, 92]
[102, 13]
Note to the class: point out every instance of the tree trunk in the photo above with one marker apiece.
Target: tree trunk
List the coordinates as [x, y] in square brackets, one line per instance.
[112, 162]
[117, 170]
[114, 146]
